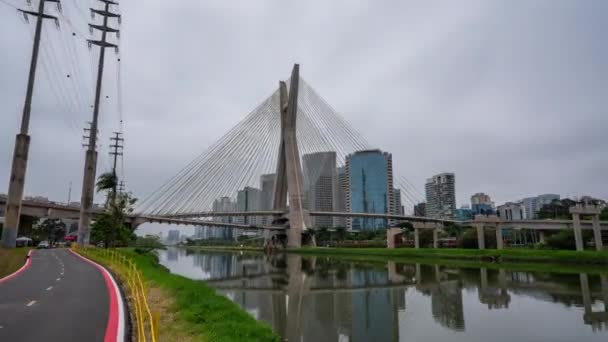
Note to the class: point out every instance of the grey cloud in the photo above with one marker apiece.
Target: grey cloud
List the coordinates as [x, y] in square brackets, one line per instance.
[510, 96]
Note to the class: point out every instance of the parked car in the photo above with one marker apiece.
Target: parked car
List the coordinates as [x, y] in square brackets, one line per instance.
[24, 242]
[44, 244]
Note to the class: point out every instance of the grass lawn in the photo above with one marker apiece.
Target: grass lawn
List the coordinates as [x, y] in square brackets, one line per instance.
[11, 260]
[192, 311]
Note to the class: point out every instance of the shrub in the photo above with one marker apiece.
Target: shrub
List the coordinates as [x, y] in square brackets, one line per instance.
[564, 239]
[469, 238]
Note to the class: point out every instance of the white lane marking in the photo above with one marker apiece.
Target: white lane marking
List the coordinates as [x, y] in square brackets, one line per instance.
[49, 288]
[58, 279]
[31, 303]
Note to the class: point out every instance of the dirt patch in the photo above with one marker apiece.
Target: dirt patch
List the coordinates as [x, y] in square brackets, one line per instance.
[170, 329]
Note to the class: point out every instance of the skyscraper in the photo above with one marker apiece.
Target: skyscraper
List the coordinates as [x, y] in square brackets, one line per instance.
[441, 196]
[224, 204]
[397, 206]
[341, 198]
[267, 196]
[249, 199]
[481, 204]
[534, 204]
[173, 237]
[420, 209]
[321, 185]
[370, 188]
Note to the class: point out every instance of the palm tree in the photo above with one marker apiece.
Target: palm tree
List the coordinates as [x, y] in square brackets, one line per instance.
[106, 181]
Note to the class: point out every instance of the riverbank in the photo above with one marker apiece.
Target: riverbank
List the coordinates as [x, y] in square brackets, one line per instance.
[562, 261]
[190, 310]
[520, 259]
[12, 260]
[223, 248]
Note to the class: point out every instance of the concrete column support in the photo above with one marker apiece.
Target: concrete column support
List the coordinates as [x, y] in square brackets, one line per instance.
[15, 191]
[542, 237]
[499, 240]
[597, 233]
[86, 201]
[390, 237]
[585, 291]
[417, 238]
[483, 275]
[435, 238]
[578, 234]
[604, 284]
[502, 278]
[481, 239]
[393, 275]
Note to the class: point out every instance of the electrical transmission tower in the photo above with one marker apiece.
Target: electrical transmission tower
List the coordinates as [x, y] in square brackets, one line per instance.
[90, 166]
[116, 150]
[22, 141]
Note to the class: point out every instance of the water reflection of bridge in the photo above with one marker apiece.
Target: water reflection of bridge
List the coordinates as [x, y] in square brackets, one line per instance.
[323, 299]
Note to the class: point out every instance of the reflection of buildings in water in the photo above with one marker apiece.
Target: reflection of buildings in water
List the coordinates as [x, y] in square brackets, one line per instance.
[172, 254]
[302, 313]
[446, 295]
[495, 296]
[446, 304]
[597, 319]
[325, 300]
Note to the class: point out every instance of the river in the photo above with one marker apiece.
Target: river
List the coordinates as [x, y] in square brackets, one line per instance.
[325, 299]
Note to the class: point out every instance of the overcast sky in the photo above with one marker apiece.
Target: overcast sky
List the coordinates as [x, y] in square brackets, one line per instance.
[509, 95]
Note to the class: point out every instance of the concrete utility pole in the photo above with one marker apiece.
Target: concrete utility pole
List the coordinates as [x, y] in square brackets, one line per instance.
[117, 146]
[90, 165]
[22, 141]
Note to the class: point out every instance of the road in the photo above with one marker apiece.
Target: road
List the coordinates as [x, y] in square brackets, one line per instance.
[60, 297]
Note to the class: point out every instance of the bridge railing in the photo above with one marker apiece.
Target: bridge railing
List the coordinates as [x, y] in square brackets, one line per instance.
[145, 325]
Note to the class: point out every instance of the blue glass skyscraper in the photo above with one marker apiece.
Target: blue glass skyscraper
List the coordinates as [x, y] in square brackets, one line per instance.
[370, 188]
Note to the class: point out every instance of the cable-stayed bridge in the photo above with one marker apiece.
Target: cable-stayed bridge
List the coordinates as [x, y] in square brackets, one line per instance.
[292, 144]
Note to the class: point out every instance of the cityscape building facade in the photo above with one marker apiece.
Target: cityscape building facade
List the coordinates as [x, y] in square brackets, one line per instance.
[370, 188]
[420, 209]
[512, 211]
[267, 195]
[464, 213]
[321, 185]
[248, 199]
[481, 204]
[441, 196]
[534, 204]
[341, 198]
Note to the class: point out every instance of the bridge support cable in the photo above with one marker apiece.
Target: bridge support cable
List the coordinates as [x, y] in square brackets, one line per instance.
[249, 150]
[244, 155]
[225, 160]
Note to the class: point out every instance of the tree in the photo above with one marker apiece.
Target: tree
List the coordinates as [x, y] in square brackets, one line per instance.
[604, 214]
[107, 182]
[340, 234]
[109, 228]
[52, 230]
[558, 209]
